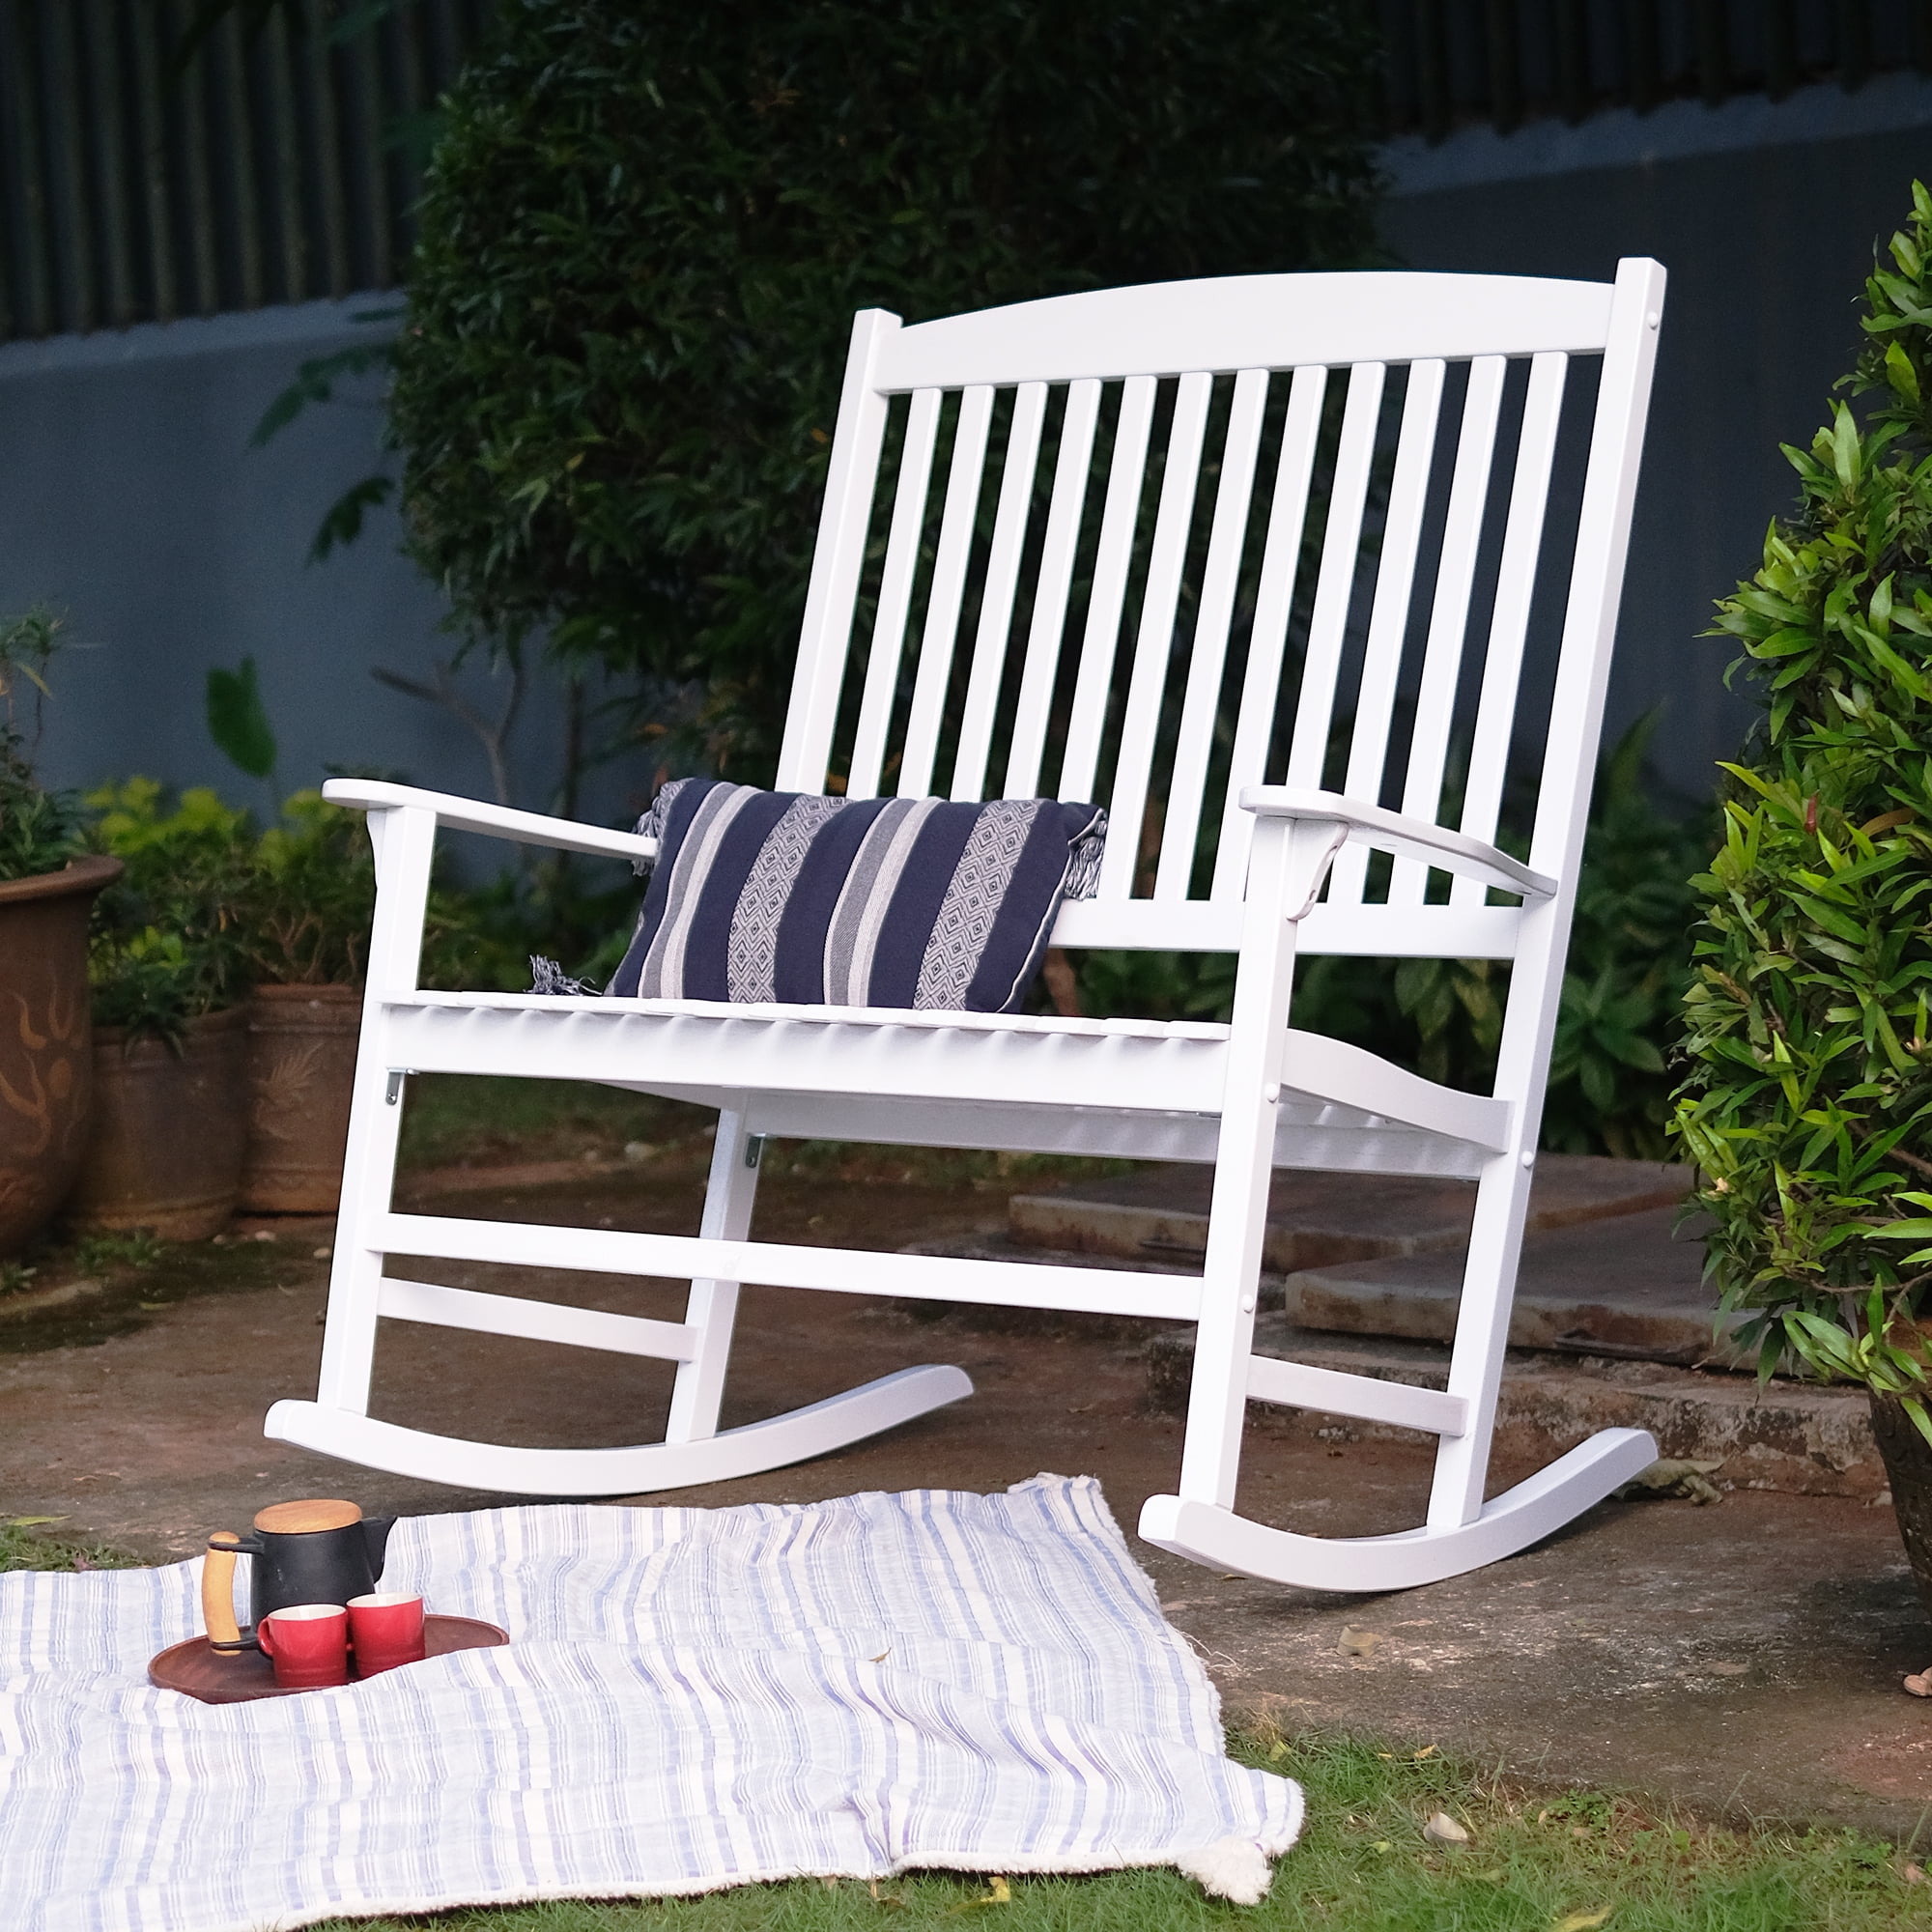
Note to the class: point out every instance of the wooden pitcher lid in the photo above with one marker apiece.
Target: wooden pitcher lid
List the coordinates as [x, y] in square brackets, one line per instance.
[293, 1519]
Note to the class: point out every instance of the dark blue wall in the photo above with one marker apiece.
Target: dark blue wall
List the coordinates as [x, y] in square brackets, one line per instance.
[1768, 251]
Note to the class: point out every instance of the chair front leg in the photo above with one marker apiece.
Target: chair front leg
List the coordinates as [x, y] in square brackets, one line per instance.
[1287, 866]
[712, 1308]
[405, 842]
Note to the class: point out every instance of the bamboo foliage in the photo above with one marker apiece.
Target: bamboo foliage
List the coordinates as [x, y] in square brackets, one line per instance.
[1809, 1097]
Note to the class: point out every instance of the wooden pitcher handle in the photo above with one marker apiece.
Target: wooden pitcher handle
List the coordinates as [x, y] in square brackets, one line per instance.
[217, 1588]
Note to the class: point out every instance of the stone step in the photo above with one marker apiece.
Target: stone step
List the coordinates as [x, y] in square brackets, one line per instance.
[1319, 1220]
[1795, 1438]
[1382, 1255]
[1630, 1287]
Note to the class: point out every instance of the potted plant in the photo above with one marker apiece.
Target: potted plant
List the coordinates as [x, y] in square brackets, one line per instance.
[47, 886]
[169, 975]
[305, 918]
[1808, 1104]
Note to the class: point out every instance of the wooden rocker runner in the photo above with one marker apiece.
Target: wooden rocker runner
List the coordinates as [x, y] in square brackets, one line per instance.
[1274, 568]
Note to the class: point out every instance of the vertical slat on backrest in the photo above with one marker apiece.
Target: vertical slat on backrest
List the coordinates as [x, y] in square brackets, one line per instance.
[1449, 618]
[1267, 636]
[1341, 543]
[1388, 619]
[1050, 588]
[839, 561]
[996, 607]
[948, 582]
[1219, 578]
[1516, 582]
[1110, 588]
[1153, 648]
[902, 545]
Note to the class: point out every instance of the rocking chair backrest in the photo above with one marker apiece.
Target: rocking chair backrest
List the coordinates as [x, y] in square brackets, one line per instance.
[1323, 534]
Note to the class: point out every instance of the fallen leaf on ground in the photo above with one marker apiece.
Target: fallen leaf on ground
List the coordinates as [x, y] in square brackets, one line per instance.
[1428, 1750]
[1915, 1874]
[999, 1895]
[1381, 1845]
[1582, 1921]
[1355, 1643]
[28, 1522]
[1443, 1830]
[1670, 1477]
[882, 1656]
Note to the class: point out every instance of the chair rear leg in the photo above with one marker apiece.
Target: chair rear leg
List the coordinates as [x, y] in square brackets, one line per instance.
[1482, 1335]
[712, 1307]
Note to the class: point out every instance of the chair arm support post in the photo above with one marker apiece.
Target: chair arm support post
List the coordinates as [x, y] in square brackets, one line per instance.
[1433, 845]
[405, 840]
[1288, 863]
[492, 821]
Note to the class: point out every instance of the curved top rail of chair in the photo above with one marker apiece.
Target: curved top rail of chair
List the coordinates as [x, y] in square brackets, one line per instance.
[493, 821]
[1246, 322]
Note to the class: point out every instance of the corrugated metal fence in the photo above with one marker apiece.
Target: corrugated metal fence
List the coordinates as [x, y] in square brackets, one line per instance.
[272, 165]
[1506, 62]
[277, 164]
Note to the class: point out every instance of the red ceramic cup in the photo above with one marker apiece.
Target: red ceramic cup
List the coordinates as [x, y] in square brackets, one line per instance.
[309, 1643]
[387, 1630]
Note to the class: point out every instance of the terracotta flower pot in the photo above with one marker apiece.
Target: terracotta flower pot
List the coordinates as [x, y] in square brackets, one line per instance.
[301, 1067]
[1908, 1463]
[46, 1055]
[170, 1129]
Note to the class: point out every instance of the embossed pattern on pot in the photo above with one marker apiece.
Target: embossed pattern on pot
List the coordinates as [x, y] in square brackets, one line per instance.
[302, 1063]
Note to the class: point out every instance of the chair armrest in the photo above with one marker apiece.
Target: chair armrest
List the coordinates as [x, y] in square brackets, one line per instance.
[1392, 831]
[493, 821]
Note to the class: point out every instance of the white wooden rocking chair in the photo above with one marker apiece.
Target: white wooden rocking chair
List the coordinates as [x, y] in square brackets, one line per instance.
[1221, 413]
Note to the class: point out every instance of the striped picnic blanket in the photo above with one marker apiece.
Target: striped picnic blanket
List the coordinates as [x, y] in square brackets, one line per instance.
[691, 1699]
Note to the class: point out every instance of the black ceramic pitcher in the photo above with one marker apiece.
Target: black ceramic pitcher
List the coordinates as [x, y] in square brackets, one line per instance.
[310, 1553]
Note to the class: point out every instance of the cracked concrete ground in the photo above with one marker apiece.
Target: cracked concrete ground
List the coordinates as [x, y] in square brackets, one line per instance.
[1740, 1659]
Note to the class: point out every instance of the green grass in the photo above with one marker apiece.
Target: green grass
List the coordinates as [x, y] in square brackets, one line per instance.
[31, 1543]
[1555, 1861]
[1536, 1863]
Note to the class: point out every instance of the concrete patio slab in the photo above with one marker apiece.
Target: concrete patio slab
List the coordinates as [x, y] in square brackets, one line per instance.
[1740, 1658]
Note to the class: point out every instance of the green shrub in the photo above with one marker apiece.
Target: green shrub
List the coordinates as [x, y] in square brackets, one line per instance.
[1811, 1092]
[39, 830]
[168, 942]
[645, 230]
[310, 898]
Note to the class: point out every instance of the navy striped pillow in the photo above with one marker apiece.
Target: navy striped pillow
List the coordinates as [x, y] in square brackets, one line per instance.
[907, 903]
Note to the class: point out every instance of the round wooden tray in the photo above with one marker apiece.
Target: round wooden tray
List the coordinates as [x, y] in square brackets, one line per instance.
[199, 1671]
